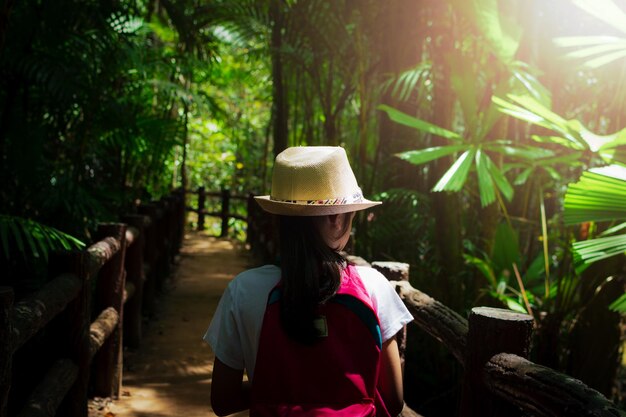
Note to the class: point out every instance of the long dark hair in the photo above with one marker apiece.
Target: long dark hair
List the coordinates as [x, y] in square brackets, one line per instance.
[310, 275]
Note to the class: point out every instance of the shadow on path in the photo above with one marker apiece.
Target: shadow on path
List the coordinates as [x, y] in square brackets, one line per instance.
[170, 374]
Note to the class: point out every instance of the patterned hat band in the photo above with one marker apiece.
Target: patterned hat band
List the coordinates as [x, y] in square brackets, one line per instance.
[352, 199]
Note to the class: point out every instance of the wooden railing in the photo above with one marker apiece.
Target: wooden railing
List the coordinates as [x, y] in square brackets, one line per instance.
[224, 213]
[493, 347]
[82, 315]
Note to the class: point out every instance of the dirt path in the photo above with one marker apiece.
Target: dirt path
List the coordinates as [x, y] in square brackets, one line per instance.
[170, 374]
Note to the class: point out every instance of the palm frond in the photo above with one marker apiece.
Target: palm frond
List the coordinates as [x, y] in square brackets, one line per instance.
[407, 82]
[599, 195]
[32, 239]
[589, 251]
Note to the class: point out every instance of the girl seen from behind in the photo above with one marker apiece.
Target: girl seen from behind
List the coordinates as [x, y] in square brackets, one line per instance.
[315, 335]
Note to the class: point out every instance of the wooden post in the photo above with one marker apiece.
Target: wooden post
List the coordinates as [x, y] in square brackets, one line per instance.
[134, 275]
[162, 261]
[250, 226]
[178, 196]
[201, 200]
[173, 226]
[149, 288]
[168, 225]
[6, 347]
[182, 216]
[110, 293]
[225, 211]
[491, 331]
[74, 329]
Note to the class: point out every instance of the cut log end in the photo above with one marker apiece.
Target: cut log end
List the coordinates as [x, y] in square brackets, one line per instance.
[501, 314]
[393, 271]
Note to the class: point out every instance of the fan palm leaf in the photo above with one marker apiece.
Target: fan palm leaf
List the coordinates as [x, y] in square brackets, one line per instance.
[599, 195]
[598, 51]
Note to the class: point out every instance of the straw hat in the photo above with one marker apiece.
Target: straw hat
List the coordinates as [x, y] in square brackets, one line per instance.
[313, 181]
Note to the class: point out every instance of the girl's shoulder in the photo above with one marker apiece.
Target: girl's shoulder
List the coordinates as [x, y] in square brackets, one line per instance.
[255, 281]
[371, 277]
[261, 272]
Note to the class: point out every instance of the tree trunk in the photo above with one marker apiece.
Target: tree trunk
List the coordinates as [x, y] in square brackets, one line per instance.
[397, 24]
[279, 109]
[446, 207]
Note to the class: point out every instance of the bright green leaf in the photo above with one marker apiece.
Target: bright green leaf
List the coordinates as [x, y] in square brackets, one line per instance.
[599, 195]
[505, 248]
[523, 176]
[483, 267]
[500, 180]
[404, 119]
[528, 152]
[589, 251]
[456, 175]
[514, 305]
[485, 183]
[614, 229]
[422, 156]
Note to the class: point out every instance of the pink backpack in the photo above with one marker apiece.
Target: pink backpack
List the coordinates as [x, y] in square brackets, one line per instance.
[335, 376]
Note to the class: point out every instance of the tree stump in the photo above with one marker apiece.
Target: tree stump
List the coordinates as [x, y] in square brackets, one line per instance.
[491, 331]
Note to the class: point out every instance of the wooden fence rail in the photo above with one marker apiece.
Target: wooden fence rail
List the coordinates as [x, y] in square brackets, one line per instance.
[225, 197]
[499, 381]
[94, 300]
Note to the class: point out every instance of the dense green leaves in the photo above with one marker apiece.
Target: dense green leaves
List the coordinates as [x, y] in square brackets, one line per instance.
[573, 133]
[23, 237]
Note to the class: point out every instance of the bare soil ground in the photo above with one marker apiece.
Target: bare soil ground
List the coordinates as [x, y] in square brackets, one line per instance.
[170, 374]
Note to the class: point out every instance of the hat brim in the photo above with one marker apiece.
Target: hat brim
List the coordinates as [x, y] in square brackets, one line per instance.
[292, 209]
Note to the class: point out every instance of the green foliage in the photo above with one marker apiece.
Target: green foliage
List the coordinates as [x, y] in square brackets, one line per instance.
[499, 270]
[491, 179]
[598, 196]
[82, 90]
[573, 134]
[399, 231]
[32, 239]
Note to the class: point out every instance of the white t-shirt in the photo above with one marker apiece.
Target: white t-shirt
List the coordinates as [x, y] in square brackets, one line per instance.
[236, 326]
